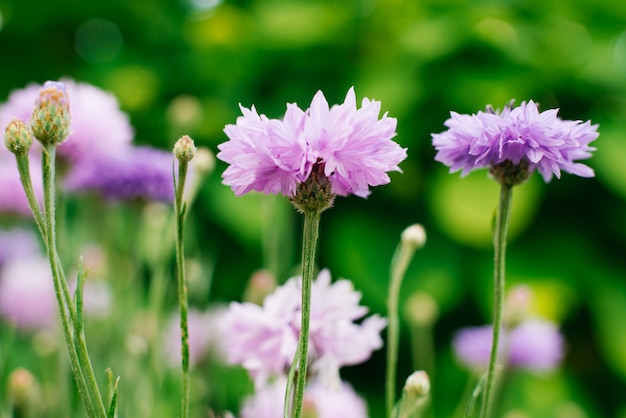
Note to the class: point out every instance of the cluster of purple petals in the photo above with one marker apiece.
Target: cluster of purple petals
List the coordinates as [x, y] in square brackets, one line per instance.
[274, 156]
[142, 173]
[548, 143]
[263, 339]
[533, 345]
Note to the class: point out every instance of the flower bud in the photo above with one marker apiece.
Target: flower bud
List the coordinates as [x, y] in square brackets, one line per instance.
[17, 137]
[309, 409]
[50, 121]
[184, 149]
[414, 235]
[24, 392]
[421, 309]
[417, 385]
[261, 284]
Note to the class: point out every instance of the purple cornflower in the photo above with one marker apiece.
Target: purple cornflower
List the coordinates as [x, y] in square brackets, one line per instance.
[133, 173]
[533, 345]
[98, 125]
[263, 339]
[522, 135]
[350, 146]
[319, 401]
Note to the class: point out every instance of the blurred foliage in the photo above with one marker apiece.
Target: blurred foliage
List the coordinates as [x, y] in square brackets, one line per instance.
[183, 67]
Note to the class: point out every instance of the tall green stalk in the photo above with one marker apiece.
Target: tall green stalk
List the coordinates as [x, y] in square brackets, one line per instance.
[499, 240]
[309, 246]
[180, 210]
[79, 360]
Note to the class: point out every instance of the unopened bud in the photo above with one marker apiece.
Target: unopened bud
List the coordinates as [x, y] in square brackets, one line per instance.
[50, 121]
[417, 385]
[517, 305]
[261, 284]
[421, 309]
[414, 235]
[184, 149]
[23, 391]
[17, 137]
[204, 161]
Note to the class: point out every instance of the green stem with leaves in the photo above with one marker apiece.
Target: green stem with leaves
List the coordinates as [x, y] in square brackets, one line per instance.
[87, 388]
[499, 240]
[180, 210]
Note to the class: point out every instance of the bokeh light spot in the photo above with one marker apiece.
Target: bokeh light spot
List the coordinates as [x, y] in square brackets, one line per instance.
[98, 40]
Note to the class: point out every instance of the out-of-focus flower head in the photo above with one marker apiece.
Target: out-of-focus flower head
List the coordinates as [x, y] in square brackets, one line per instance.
[143, 173]
[522, 137]
[204, 336]
[98, 124]
[263, 339]
[27, 293]
[532, 345]
[17, 243]
[319, 400]
[350, 146]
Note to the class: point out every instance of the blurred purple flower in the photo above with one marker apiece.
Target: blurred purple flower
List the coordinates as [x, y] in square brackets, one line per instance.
[98, 127]
[17, 243]
[203, 335]
[543, 140]
[133, 173]
[12, 196]
[533, 345]
[321, 401]
[263, 339]
[272, 156]
[27, 293]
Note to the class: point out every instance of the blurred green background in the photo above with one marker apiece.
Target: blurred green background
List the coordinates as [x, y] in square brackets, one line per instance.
[182, 67]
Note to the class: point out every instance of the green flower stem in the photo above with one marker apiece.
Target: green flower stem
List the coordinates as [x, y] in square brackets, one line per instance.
[179, 208]
[400, 262]
[23, 166]
[309, 245]
[85, 387]
[499, 241]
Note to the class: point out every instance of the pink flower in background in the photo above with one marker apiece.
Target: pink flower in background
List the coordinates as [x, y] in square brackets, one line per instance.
[352, 144]
[27, 293]
[319, 401]
[541, 139]
[17, 243]
[203, 335]
[532, 345]
[263, 339]
[12, 196]
[98, 124]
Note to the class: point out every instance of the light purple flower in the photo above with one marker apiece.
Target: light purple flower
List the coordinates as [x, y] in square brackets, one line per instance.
[27, 293]
[17, 243]
[12, 196]
[263, 339]
[203, 335]
[533, 345]
[98, 124]
[134, 173]
[352, 144]
[321, 401]
[541, 139]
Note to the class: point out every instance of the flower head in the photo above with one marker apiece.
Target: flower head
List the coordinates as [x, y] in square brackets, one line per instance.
[50, 120]
[136, 173]
[350, 146]
[263, 339]
[515, 142]
[533, 345]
